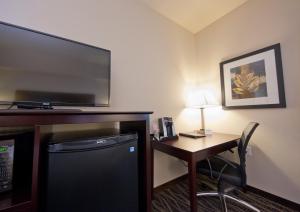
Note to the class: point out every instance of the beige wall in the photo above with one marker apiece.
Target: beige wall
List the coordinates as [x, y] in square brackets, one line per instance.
[151, 55]
[274, 166]
[153, 60]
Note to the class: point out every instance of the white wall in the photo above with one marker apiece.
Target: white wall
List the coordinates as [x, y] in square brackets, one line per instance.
[151, 55]
[153, 60]
[274, 166]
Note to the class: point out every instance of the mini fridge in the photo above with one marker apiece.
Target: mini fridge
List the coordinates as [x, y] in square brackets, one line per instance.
[92, 175]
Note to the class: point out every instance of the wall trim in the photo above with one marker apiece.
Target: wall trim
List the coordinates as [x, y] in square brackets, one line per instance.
[267, 195]
[275, 198]
[170, 183]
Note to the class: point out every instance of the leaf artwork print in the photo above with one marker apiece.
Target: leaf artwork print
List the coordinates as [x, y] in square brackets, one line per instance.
[249, 81]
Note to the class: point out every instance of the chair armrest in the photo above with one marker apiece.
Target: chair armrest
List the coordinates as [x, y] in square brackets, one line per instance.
[226, 161]
[224, 167]
[230, 150]
[210, 168]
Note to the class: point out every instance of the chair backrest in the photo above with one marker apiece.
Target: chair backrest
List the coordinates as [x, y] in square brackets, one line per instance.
[242, 148]
[244, 140]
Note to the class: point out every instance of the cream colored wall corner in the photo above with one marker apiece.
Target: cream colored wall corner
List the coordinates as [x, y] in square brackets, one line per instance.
[153, 61]
[151, 56]
[276, 143]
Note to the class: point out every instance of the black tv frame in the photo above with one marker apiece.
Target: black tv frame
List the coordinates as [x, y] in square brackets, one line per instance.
[63, 104]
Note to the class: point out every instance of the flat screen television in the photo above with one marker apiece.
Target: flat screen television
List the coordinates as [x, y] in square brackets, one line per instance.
[41, 68]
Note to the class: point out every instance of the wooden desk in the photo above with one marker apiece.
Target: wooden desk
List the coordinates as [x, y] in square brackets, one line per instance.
[193, 150]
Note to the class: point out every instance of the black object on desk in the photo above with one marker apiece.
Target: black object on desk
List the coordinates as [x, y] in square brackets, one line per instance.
[166, 127]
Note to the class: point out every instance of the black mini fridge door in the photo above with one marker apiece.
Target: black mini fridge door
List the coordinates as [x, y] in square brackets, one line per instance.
[97, 175]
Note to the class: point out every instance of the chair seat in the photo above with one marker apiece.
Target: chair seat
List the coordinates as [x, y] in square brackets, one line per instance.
[231, 175]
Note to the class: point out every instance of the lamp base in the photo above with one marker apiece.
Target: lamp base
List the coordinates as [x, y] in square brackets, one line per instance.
[192, 134]
[205, 131]
[197, 133]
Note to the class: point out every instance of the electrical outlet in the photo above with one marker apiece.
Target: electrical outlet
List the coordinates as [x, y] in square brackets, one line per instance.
[249, 150]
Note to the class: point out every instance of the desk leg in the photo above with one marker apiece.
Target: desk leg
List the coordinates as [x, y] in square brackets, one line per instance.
[192, 184]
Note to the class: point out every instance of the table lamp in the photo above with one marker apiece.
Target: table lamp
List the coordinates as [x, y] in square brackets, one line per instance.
[200, 100]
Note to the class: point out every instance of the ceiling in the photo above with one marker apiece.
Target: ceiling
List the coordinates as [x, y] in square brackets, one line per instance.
[193, 15]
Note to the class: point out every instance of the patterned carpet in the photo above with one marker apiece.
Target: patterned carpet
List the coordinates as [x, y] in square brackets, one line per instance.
[176, 199]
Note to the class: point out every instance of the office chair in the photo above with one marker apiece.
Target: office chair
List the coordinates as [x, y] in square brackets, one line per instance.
[227, 172]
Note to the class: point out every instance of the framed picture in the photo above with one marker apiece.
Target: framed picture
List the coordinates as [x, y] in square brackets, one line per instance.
[253, 80]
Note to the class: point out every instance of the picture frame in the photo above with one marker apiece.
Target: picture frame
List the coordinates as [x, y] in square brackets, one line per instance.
[253, 80]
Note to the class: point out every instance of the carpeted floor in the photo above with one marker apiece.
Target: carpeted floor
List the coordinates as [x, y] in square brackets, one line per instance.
[175, 198]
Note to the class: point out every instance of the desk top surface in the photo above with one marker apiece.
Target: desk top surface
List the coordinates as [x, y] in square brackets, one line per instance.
[198, 144]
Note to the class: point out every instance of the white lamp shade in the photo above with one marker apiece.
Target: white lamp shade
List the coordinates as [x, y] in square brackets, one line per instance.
[201, 99]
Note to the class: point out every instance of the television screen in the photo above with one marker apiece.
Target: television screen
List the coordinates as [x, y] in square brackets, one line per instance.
[37, 67]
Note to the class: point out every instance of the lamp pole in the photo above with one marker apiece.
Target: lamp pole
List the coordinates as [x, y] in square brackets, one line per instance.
[202, 129]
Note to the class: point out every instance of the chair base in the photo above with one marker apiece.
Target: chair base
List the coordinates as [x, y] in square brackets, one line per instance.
[223, 198]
